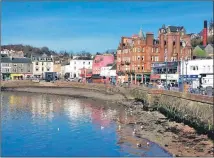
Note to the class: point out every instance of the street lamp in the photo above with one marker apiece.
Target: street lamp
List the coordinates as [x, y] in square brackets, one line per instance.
[186, 62]
[166, 56]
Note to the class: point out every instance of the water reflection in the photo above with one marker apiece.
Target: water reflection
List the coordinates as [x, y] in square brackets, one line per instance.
[40, 122]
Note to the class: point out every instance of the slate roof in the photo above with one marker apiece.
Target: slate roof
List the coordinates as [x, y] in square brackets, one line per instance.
[109, 65]
[172, 28]
[15, 60]
[114, 67]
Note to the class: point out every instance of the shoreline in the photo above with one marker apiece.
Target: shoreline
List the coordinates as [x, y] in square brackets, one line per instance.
[176, 138]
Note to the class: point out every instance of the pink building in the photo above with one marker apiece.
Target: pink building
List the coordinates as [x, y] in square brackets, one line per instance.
[101, 61]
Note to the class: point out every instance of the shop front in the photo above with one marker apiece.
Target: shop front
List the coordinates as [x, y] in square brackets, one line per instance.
[28, 76]
[169, 77]
[17, 76]
[155, 77]
[6, 76]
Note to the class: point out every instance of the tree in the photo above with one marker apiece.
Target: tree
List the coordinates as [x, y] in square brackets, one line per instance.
[45, 49]
[196, 41]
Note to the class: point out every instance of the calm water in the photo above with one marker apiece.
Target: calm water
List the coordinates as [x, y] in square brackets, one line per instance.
[50, 125]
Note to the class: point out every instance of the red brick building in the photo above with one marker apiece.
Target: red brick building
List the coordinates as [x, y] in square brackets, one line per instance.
[136, 54]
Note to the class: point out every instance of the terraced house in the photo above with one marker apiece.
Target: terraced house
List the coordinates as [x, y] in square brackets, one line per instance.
[136, 54]
[16, 68]
[42, 64]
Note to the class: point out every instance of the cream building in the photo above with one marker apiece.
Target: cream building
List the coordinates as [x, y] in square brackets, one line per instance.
[42, 64]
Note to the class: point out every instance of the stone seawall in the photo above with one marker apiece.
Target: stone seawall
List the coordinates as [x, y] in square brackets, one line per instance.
[194, 110]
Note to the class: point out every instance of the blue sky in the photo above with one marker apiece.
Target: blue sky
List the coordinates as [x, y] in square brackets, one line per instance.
[94, 26]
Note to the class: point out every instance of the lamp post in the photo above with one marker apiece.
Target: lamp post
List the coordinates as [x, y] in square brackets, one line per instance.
[166, 65]
[186, 62]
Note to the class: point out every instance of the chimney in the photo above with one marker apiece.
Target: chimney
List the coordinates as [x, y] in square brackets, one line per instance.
[149, 38]
[205, 33]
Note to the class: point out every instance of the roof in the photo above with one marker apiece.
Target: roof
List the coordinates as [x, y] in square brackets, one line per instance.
[16, 60]
[114, 67]
[172, 28]
[201, 46]
[212, 45]
[109, 65]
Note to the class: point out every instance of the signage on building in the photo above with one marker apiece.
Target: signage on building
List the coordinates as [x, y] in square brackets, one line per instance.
[154, 76]
[189, 76]
[169, 76]
[164, 64]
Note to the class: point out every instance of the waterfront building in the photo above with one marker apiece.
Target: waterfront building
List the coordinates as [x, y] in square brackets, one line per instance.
[86, 74]
[77, 64]
[65, 70]
[99, 62]
[109, 72]
[42, 64]
[57, 67]
[16, 68]
[165, 71]
[136, 54]
[6, 65]
[193, 70]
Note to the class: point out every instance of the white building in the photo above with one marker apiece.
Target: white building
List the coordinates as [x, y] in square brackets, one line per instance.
[197, 67]
[107, 72]
[193, 69]
[42, 64]
[76, 65]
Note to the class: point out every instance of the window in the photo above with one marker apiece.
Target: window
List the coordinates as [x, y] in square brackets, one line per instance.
[142, 58]
[21, 70]
[37, 63]
[28, 70]
[42, 68]
[156, 50]
[37, 69]
[138, 50]
[48, 69]
[142, 67]
[42, 63]
[156, 58]
[14, 64]
[75, 68]
[89, 63]
[208, 68]
[138, 58]
[143, 50]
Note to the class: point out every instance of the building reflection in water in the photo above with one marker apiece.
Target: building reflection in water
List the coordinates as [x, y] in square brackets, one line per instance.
[48, 106]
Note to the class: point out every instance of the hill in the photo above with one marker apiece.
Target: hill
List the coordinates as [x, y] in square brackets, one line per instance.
[28, 50]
